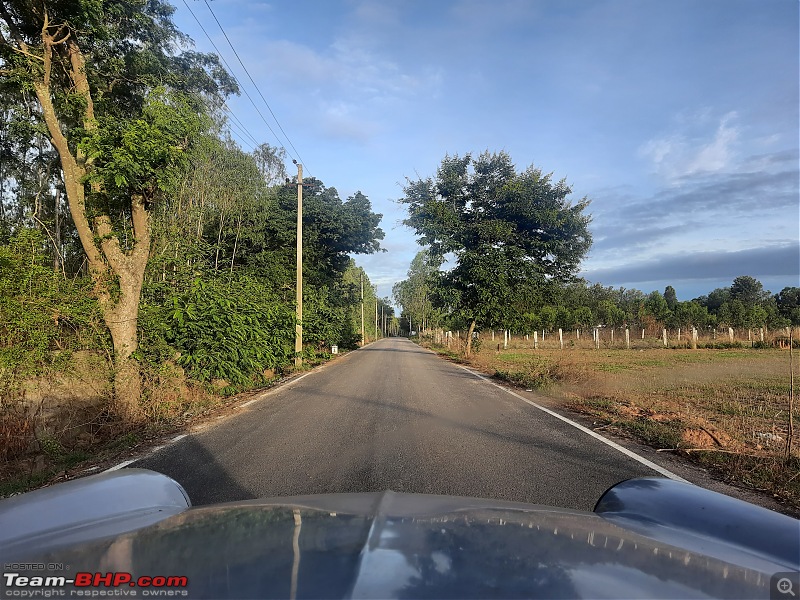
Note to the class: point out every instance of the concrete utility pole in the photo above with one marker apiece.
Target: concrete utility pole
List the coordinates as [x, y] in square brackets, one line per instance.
[375, 287]
[363, 339]
[298, 337]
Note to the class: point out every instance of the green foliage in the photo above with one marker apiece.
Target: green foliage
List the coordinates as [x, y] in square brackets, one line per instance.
[327, 318]
[532, 380]
[666, 434]
[222, 331]
[788, 304]
[145, 155]
[40, 311]
[417, 293]
[510, 234]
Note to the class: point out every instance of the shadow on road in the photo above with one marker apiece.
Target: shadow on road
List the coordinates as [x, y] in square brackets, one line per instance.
[371, 349]
[194, 467]
[497, 430]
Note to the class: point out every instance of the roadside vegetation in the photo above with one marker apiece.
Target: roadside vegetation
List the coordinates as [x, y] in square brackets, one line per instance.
[147, 261]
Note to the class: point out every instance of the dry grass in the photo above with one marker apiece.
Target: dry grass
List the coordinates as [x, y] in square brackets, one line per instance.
[726, 408]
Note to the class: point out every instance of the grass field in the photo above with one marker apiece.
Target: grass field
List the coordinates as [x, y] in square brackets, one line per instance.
[727, 409]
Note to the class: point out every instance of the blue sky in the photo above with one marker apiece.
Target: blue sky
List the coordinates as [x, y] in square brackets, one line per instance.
[678, 119]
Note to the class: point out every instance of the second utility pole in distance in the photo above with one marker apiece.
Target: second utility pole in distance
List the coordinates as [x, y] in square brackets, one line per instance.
[298, 337]
[363, 339]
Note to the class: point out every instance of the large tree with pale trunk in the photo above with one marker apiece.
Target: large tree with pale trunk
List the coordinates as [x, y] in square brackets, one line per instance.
[121, 103]
[508, 234]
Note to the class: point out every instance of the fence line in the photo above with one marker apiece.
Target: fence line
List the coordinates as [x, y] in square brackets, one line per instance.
[617, 337]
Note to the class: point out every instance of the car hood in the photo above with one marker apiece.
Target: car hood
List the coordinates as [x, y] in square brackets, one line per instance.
[393, 545]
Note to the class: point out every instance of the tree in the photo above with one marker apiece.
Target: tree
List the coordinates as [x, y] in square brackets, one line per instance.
[671, 297]
[270, 161]
[656, 307]
[120, 106]
[416, 294]
[584, 317]
[748, 290]
[788, 300]
[509, 232]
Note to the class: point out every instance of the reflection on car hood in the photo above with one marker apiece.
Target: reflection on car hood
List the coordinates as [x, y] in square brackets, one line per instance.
[412, 546]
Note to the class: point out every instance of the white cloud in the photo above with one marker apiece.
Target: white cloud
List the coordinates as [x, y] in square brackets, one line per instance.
[680, 155]
[350, 83]
[717, 155]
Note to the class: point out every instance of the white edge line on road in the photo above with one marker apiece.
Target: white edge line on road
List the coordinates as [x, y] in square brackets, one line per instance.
[277, 389]
[124, 463]
[625, 451]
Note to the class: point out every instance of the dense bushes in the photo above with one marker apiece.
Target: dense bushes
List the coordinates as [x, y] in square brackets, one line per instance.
[230, 331]
[41, 310]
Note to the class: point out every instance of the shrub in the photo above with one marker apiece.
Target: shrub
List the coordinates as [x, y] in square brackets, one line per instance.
[41, 311]
[227, 331]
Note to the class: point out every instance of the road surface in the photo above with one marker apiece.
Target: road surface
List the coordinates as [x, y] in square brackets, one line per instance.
[394, 416]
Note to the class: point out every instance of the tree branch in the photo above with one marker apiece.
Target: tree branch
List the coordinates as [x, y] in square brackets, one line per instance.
[78, 75]
[55, 245]
[63, 39]
[141, 228]
[109, 243]
[15, 33]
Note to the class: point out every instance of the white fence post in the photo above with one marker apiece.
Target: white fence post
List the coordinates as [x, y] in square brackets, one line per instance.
[560, 338]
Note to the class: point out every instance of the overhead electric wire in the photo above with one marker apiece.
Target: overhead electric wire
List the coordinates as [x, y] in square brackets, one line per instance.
[240, 137]
[251, 80]
[241, 129]
[277, 138]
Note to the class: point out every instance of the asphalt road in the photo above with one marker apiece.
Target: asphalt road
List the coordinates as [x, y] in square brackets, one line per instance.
[394, 416]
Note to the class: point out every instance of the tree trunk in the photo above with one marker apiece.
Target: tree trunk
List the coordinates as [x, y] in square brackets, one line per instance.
[468, 349]
[219, 240]
[121, 314]
[108, 263]
[236, 242]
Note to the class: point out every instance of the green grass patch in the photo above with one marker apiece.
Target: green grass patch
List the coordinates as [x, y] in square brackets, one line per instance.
[515, 357]
[61, 461]
[534, 381]
[612, 368]
[129, 440]
[651, 362]
[19, 485]
[659, 434]
[600, 403]
[777, 475]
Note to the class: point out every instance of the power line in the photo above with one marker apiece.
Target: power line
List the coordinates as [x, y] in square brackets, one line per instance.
[237, 135]
[236, 80]
[252, 81]
[235, 123]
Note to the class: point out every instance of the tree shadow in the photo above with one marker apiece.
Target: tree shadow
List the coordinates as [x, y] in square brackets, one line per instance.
[191, 464]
